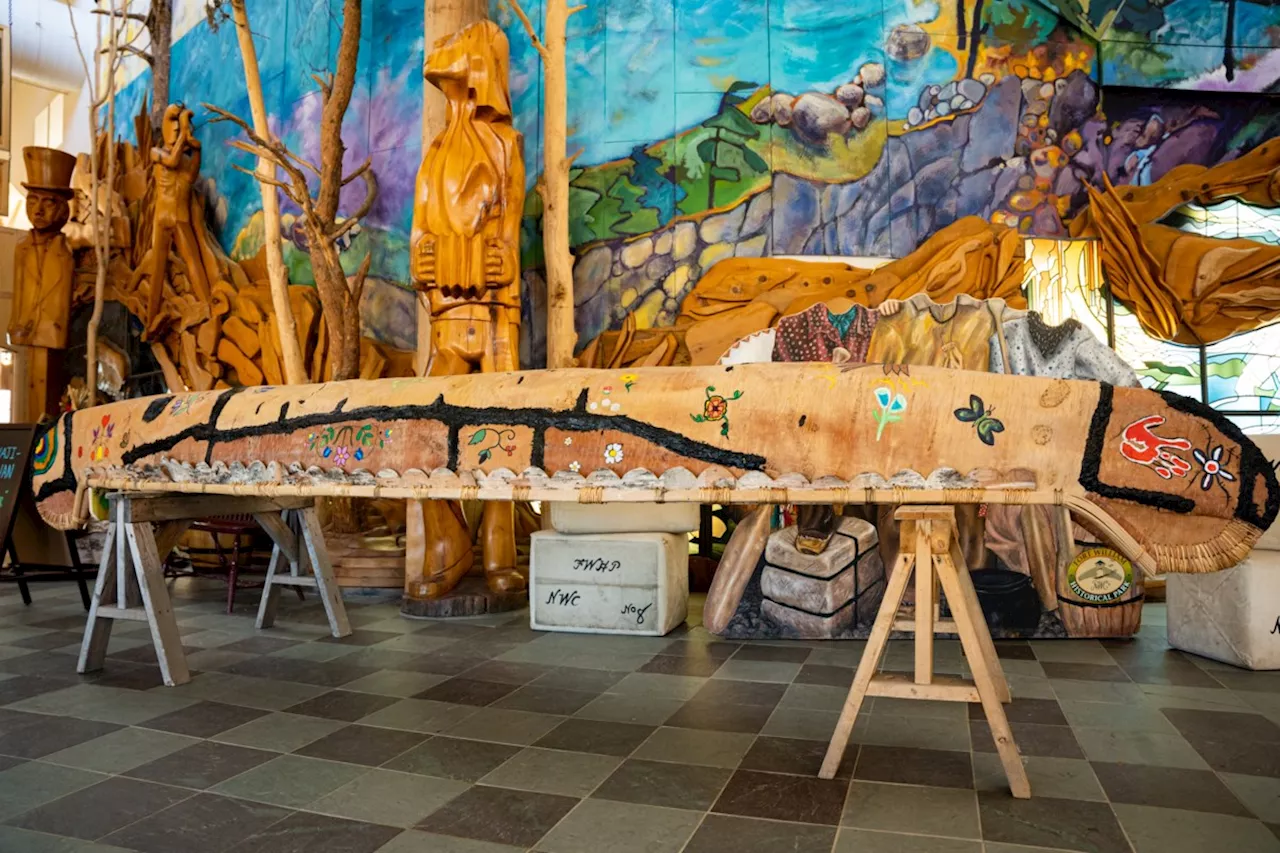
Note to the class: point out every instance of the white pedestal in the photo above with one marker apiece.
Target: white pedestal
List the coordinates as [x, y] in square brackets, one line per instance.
[1232, 616]
[572, 517]
[608, 583]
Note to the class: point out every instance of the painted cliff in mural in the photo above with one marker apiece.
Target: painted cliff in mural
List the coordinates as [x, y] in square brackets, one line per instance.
[713, 129]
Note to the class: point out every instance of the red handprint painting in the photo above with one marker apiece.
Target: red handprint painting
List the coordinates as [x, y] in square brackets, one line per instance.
[1143, 446]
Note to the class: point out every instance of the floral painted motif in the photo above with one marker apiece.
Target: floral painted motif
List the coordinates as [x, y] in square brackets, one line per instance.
[1140, 445]
[613, 454]
[716, 408]
[344, 444]
[1211, 462]
[891, 404]
[628, 379]
[101, 434]
[568, 440]
[182, 405]
[493, 439]
[575, 466]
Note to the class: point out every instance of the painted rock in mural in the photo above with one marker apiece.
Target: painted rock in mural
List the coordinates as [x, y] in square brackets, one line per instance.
[1170, 482]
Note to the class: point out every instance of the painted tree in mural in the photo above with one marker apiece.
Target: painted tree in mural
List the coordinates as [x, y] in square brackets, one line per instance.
[321, 222]
[1228, 54]
[725, 153]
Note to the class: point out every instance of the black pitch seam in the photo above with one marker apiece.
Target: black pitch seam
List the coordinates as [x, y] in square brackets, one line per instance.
[455, 418]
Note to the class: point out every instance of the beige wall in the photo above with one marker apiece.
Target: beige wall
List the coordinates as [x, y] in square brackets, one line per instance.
[9, 376]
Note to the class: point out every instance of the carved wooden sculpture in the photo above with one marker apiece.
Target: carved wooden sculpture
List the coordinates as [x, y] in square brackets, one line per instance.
[739, 296]
[465, 259]
[175, 167]
[1172, 483]
[43, 277]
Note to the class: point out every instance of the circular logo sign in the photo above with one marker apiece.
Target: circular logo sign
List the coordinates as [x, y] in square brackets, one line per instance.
[1100, 575]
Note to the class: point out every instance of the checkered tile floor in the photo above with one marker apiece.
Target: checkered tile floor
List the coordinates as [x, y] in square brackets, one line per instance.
[482, 736]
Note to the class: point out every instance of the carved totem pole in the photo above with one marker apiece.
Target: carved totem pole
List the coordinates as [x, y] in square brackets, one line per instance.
[44, 270]
[465, 258]
[176, 167]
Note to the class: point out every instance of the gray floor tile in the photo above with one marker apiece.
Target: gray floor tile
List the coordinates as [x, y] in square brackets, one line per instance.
[642, 710]
[503, 725]
[120, 750]
[205, 823]
[601, 826]
[28, 841]
[912, 808]
[1139, 748]
[553, 771]
[280, 732]
[105, 704]
[35, 783]
[420, 715]
[691, 746]
[883, 729]
[1063, 778]
[290, 780]
[95, 811]
[1259, 794]
[389, 798]
[1158, 830]
[873, 841]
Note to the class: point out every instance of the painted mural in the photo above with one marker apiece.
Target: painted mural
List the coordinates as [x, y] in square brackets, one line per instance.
[713, 129]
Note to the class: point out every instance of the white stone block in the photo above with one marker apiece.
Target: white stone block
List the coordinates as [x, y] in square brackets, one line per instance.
[567, 517]
[608, 583]
[1232, 616]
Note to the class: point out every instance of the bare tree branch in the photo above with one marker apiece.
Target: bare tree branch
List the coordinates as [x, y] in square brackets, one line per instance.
[357, 286]
[132, 16]
[128, 48]
[370, 196]
[528, 28]
[364, 167]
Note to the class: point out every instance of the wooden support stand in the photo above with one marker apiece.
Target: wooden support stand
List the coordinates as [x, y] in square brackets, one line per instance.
[930, 551]
[130, 583]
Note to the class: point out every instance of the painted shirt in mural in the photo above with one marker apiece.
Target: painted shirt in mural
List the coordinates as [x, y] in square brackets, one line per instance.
[955, 335]
[1068, 351]
[815, 334]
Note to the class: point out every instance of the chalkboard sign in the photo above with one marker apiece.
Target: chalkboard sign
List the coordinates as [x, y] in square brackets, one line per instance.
[16, 441]
[19, 520]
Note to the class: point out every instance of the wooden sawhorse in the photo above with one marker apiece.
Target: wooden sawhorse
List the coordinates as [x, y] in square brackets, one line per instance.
[929, 550]
[130, 583]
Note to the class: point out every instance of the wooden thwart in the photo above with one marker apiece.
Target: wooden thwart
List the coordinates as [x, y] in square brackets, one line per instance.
[930, 552]
[131, 586]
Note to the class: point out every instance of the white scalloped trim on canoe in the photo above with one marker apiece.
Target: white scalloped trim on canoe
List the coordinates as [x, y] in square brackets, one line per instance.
[261, 477]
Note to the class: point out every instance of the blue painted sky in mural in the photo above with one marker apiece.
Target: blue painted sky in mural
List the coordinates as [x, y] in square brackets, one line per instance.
[643, 71]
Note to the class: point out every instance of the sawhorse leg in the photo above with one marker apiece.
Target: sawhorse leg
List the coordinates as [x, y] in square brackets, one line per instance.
[131, 575]
[299, 543]
[929, 549]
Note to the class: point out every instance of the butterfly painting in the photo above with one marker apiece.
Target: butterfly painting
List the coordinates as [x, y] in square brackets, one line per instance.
[891, 408]
[982, 418]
